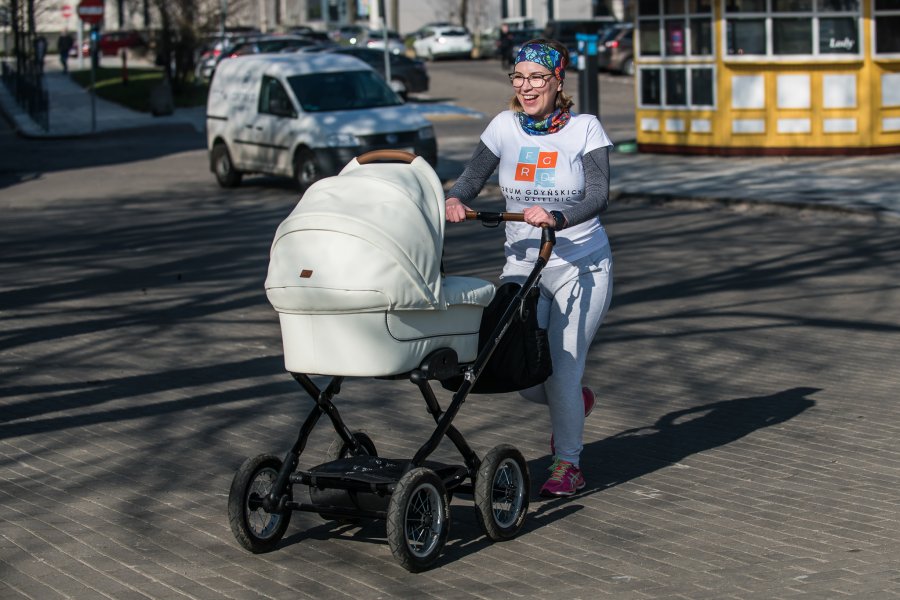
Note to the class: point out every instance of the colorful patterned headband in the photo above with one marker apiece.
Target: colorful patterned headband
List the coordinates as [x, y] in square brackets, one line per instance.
[545, 55]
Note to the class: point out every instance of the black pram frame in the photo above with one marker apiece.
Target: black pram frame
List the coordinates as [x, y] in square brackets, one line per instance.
[412, 496]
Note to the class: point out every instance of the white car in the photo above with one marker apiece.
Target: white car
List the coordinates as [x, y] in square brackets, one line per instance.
[443, 42]
[305, 115]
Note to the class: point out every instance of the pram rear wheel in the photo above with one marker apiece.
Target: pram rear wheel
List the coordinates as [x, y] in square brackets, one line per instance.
[256, 529]
[341, 449]
[418, 519]
[501, 492]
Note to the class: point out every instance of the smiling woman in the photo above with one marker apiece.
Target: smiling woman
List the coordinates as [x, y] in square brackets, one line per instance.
[554, 168]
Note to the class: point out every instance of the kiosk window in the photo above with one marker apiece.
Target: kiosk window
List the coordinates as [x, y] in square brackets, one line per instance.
[676, 87]
[651, 93]
[684, 28]
[649, 38]
[746, 36]
[791, 36]
[887, 26]
[685, 87]
[701, 37]
[793, 27]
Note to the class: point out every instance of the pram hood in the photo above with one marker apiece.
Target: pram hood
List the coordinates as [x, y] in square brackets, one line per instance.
[368, 239]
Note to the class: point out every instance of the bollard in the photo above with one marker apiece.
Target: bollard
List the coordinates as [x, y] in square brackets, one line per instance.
[588, 83]
[124, 67]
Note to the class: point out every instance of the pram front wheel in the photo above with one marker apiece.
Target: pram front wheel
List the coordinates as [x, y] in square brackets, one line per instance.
[418, 519]
[501, 492]
[256, 529]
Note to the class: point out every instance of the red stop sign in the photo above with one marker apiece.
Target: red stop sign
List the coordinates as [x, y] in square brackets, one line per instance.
[91, 11]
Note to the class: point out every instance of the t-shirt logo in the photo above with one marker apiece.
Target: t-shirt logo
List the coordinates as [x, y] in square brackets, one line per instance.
[536, 166]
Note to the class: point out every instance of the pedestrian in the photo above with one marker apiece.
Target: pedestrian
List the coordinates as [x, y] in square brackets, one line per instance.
[505, 46]
[40, 51]
[553, 167]
[64, 47]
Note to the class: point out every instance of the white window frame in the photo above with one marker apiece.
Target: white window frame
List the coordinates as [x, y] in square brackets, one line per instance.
[661, 19]
[882, 13]
[689, 68]
[814, 15]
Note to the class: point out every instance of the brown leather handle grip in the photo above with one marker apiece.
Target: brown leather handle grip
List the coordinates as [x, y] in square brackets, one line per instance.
[376, 155]
[474, 215]
[494, 218]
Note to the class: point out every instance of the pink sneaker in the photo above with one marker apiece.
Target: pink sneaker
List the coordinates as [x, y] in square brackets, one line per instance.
[565, 480]
[589, 400]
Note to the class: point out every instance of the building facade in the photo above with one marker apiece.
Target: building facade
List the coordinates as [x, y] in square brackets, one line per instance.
[768, 76]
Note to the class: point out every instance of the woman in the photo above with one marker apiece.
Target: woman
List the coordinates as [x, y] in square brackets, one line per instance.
[553, 167]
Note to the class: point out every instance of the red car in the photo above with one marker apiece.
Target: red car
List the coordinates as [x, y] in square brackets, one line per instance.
[113, 43]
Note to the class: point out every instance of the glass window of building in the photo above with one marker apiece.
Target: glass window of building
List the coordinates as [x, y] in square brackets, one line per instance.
[675, 28]
[793, 27]
[887, 26]
[651, 90]
[677, 86]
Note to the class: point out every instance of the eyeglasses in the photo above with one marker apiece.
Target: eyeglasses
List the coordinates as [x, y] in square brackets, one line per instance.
[536, 81]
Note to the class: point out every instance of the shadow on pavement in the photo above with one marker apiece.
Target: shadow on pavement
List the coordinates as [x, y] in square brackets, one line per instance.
[676, 435]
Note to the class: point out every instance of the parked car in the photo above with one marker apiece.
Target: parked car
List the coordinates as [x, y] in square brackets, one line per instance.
[566, 30]
[261, 44]
[269, 44]
[615, 49]
[305, 115]
[374, 38]
[407, 75]
[348, 34]
[309, 32]
[112, 43]
[443, 42]
[217, 45]
[519, 37]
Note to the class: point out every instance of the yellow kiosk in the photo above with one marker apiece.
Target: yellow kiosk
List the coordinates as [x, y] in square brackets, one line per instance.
[768, 76]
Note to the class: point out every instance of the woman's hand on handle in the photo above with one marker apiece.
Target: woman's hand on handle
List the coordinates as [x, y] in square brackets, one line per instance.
[455, 210]
[538, 217]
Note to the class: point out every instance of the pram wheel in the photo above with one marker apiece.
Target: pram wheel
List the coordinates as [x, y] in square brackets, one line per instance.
[254, 528]
[418, 519]
[501, 492]
[341, 449]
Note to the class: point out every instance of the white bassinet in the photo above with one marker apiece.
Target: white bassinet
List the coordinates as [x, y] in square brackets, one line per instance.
[354, 274]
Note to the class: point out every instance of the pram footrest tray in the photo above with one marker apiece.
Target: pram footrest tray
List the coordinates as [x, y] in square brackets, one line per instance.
[354, 274]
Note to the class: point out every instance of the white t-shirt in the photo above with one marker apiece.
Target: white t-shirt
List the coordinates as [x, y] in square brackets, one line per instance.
[546, 171]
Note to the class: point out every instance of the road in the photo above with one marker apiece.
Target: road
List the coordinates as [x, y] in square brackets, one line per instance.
[744, 446]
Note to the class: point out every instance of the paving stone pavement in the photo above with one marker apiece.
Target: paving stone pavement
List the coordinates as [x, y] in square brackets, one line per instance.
[744, 446]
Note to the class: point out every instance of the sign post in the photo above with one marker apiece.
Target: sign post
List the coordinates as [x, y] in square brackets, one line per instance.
[588, 84]
[91, 12]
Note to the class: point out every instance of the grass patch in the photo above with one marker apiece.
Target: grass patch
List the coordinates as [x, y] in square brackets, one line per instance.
[135, 94]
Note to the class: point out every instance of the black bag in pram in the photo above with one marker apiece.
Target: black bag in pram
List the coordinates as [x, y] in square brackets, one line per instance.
[522, 358]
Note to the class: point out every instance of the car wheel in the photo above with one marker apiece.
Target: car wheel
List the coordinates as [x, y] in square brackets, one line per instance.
[628, 67]
[306, 169]
[223, 167]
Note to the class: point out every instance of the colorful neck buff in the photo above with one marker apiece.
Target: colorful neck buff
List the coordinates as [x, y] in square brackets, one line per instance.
[549, 57]
[556, 121]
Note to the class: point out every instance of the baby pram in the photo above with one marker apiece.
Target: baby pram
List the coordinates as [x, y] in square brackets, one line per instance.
[355, 275]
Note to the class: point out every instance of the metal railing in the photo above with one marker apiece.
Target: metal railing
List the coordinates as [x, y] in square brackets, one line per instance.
[27, 88]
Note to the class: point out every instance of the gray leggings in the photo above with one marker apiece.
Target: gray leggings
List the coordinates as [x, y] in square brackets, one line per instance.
[573, 302]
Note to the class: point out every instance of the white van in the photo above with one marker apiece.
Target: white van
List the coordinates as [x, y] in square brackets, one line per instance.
[304, 116]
